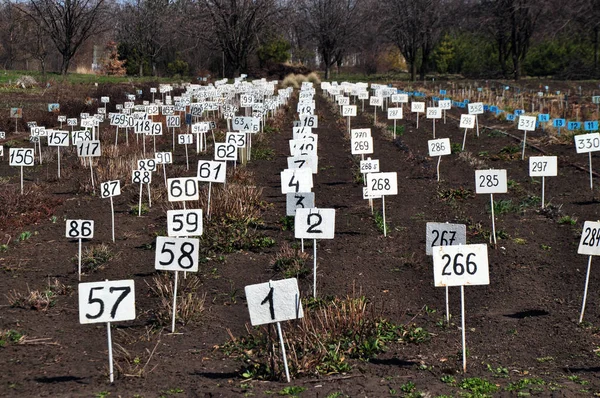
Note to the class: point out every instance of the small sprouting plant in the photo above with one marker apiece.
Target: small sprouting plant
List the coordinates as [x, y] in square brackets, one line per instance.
[408, 387]
[448, 379]
[135, 209]
[379, 222]
[292, 390]
[567, 220]
[95, 257]
[25, 235]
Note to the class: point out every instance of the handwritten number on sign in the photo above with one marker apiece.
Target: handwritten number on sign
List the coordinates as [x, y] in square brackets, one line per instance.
[125, 290]
[269, 299]
[457, 267]
[311, 229]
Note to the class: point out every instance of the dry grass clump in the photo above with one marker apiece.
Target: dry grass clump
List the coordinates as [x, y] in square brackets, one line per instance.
[190, 302]
[290, 81]
[323, 342]
[314, 78]
[291, 261]
[39, 300]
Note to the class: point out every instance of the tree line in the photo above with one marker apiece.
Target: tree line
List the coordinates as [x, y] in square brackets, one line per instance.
[472, 38]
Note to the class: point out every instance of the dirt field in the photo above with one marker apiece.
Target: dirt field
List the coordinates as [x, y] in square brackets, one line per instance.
[522, 331]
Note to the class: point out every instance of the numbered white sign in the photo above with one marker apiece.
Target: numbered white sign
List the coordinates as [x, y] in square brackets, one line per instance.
[176, 254]
[237, 139]
[173, 121]
[368, 195]
[360, 133]
[314, 223]
[467, 121]
[296, 180]
[394, 113]
[418, 107]
[185, 139]
[383, 183]
[369, 166]
[182, 189]
[491, 181]
[475, 108]
[445, 105]
[163, 158]
[585, 143]
[20, 157]
[274, 301]
[184, 222]
[527, 123]
[309, 161]
[400, 98]
[434, 113]
[444, 234]
[225, 151]
[147, 164]
[439, 147]
[543, 166]
[89, 148]
[349, 110]
[298, 200]
[311, 121]
[461, 265]
[109, 189]
[589, 244]
[109, 301]
[361, 146]
[58, 138]
[211, 171]
[376, 101]
[141, 177]
[79, 229]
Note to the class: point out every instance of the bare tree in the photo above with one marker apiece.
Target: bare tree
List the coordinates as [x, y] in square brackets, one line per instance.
[68, 23]
[237, 24]
[332, 24]
[13, 33]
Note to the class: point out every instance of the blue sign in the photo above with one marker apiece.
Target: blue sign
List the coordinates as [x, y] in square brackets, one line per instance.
[435, 98]
[574, 126]
[558, 123]
[543, 117]
[442, 92]
[591, 125]
[188, 118]
[486, 108]
[510, 117]
[519, 112]
[494, 109]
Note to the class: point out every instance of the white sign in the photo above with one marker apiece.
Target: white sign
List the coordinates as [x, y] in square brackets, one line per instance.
[274, 301]
[475, 108]
[369, 166]
[382, 183]
[349, 110]
[211, 171]
[184, 222]
[526, 123]
[89, 148]
[141, 177]
[58, 138]
[20, 157]
[79, 229]
[361, 146]
[434, 113]
[461, 265]
[543, 166]
[439, 147]
[182, 189]
[418, 107]
[225, 151]
[314, 223]
[109, 189]
[585, 143]
[394, 113]
[445, 104]
[296, 180]
[589, 244]
[176, 254]
[490, 181]
[109, 301]
[467, 121]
